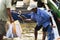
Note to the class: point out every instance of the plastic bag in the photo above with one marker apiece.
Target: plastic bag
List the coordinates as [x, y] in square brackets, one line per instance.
[55, 30]
[14, 30]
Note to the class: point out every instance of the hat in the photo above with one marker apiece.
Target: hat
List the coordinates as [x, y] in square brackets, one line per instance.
[32, 5]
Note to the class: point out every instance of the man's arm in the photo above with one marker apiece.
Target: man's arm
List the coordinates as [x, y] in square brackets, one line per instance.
[9, 14]
[8, 6]
[25, 19]
[51, 20]
[47, 8]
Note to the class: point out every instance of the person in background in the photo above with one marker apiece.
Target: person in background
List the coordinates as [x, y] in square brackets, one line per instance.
[57, 3]
[4, 15]
[14, 2]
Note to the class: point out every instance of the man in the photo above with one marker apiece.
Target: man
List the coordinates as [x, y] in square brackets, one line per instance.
[14, 2]
[44, 23]
[4, 13]
[40, 15]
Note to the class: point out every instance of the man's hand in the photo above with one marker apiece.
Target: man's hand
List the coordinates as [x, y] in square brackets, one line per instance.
[11, 20]
[9, 14]
[53, 26]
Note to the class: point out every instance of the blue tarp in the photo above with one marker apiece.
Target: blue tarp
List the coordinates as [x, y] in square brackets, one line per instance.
[15, 15]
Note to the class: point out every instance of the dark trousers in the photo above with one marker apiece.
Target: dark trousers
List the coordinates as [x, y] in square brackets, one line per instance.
[2, 27]
[48, 29]
[58, 26]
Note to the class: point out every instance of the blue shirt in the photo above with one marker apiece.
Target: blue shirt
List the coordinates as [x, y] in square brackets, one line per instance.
[41, 17]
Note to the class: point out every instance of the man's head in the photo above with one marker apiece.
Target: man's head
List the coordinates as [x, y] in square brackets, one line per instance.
[54, 1]
[40, 4]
